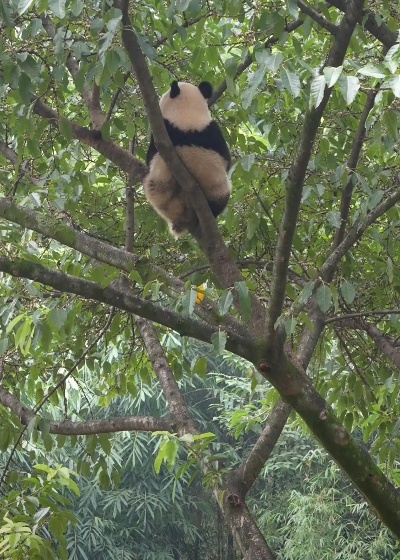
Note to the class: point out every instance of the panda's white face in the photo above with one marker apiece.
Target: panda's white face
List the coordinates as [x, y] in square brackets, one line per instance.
[188, 110]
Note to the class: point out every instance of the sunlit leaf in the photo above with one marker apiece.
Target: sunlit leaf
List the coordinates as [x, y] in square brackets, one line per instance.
[317, 90]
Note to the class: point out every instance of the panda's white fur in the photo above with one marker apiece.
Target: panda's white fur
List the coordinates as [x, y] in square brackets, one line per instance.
[201, 147]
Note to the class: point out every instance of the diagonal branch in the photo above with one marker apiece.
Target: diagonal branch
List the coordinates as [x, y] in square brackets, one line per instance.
[298, 169]
[91, 98]
[120, 157]
[55, 228]
[89, 427]
[317, 17]
[250, 540]
[385, 343]
[177, 405]
[244, 478]
[352, 164]
[110, 295]
[372, 22]
[349, 316]
[326, 273]
[209, 238]
[355, 233]
[9, 154]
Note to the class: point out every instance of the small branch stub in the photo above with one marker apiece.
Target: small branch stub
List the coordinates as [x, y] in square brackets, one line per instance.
[323, 415]
[264, 367]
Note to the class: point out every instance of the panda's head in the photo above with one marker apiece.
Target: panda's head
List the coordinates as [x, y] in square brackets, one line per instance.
[185, 105]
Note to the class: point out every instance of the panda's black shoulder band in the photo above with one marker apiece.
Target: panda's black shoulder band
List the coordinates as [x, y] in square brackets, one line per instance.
[175, 90]
[206, 89]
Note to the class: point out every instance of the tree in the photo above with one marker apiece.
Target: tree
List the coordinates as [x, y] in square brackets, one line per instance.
[308, 96]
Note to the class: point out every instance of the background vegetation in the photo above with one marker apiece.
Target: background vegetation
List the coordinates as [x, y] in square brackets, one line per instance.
[139, 419]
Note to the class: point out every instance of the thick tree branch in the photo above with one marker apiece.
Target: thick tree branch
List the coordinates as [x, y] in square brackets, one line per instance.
[50, 225]
[208, 234]
[298, 169]
[186, 326]
[8, 153]
[298, 391]
[54, 227]
[89, 427]
[290, 381]
[384, 345]
[177, 406]
[326, 273]
[373, 23]
[244, 478]
[250, 541]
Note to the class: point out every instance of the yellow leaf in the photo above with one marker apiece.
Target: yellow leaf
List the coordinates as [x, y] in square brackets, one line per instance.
[200, 293]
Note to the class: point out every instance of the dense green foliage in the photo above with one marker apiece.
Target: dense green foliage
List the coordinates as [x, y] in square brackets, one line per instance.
[76, 357]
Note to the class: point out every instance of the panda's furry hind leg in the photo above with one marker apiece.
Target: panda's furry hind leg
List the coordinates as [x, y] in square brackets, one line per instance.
[166, 197]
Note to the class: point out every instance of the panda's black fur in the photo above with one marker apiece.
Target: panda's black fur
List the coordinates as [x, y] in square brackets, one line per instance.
[201, 146]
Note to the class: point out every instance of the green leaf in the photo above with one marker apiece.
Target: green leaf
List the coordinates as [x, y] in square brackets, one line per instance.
[76, 7]
[112, 61]
[65, 128]
[58, 8]
[7, 13]
[71, 485]
[189, 301]
[225, 301]
[23, 6]
[247, 161]
[186, 438]
[391, 120]
[391, 52]
[5, 438]
[324, 297]
[244, 300]
[290, 325]
[332, 74]
[334, 219]
[218, 340]
[349, 86]
[375, 198]
[394, 84]
[167, 452]
[104, 480]
[44, 426]
[23, 336]
[57, 318]
[292, 8]
[373, 70]
[268, 60]
[317, 90]
[25, 88]
[105, 443]
[3, 345]
[348, 291]
[291, 82]
[306, 292]
[200, 367]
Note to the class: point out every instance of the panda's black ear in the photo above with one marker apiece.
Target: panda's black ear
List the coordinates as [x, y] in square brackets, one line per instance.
[175, 90]
[206, 89]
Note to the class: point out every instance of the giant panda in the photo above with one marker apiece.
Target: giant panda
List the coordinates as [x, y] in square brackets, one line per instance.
[202, 148]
